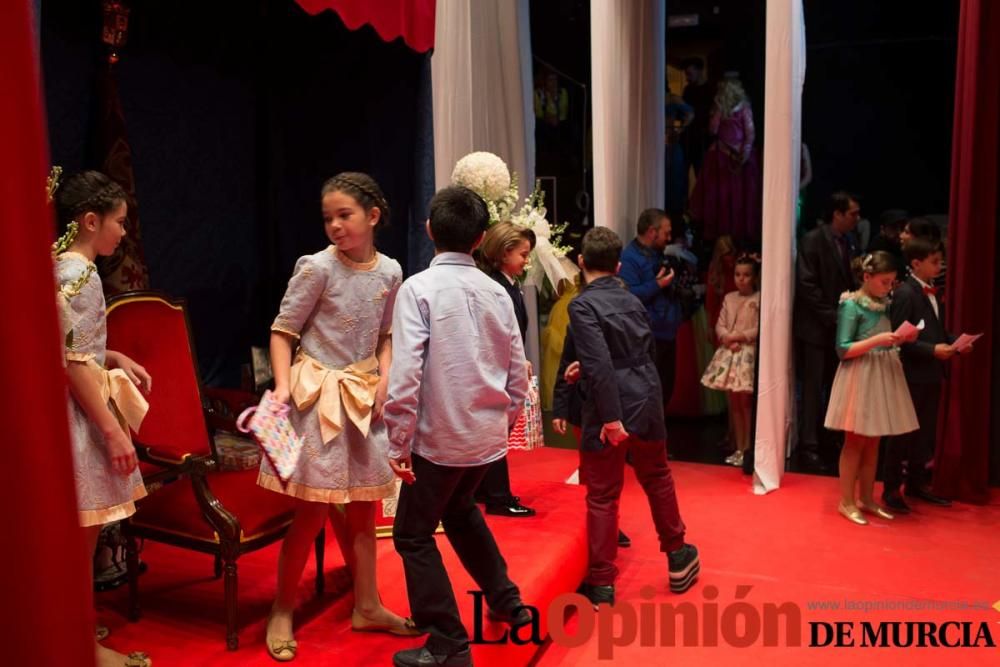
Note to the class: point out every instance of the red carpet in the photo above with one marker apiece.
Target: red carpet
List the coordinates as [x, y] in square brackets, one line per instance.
[182, 604]
[790, 547]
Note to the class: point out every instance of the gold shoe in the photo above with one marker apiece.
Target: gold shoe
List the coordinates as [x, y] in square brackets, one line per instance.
[138, 659]
[877, 511]
[282, 650]
[853, 515]
[361, 624]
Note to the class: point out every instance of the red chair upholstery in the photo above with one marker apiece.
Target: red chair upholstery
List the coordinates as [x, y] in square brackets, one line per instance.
[194, 504]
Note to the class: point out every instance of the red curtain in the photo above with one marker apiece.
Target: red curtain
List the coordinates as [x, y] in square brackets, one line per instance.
[413, 20]
[962, 462]
[49, 619]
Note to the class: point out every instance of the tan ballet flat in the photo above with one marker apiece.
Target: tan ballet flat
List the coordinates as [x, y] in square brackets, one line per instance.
[877, 511]
[282, 650]
[138, 659]
[853, 515]
[361, 624]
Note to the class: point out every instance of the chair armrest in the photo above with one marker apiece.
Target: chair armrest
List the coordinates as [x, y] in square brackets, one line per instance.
[222, 520]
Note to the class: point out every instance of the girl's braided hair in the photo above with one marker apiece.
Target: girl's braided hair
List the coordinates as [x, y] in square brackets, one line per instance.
[363, 188]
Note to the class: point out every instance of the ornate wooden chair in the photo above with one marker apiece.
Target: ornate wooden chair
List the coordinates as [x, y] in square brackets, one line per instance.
[191, 504]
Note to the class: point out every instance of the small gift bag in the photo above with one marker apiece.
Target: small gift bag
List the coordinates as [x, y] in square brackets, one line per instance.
[269, 424]
[528, 431]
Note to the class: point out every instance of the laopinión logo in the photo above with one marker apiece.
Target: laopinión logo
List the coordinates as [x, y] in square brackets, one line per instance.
[739, 624]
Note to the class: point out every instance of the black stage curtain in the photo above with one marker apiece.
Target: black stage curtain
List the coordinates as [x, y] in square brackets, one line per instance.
[236, 113]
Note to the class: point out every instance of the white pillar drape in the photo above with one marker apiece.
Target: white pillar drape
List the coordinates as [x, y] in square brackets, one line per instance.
[481, 81]
[785, 75]
[482, 86]
[628, 62]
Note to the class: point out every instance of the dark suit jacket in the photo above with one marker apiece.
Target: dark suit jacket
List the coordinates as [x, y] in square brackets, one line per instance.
[821, 276]
[520, 310]
[909, 304]
[615, 347]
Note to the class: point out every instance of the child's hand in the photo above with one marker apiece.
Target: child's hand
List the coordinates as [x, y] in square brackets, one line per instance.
[559, 425]
[280, 395]
[381, 395]
[135, 372]
[887, 339]
[121, 451]
[613, 433]
[943, 351]
[403, 469]
[572, 373]
[734, 346]
[531, 369]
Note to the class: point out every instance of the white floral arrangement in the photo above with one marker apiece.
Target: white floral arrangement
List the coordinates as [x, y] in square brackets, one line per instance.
[488, 176]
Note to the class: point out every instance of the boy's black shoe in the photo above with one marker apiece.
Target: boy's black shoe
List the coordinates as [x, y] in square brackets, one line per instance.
[597, 594]
[684, 568]
[512, 507]
[927, 497]
[422, 657]
[895, 502]
[511, 618]
[623, 540]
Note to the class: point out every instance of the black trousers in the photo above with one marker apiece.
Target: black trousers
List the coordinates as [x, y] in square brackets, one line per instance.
[444, 494]
[495, 487]
[666, 367]
[915, 448]
[817, 366]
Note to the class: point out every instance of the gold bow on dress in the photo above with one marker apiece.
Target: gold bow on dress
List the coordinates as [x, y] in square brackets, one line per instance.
[120, 390]
[351, 390]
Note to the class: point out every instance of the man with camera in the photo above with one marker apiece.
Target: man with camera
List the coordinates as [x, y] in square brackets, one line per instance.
[643, 270]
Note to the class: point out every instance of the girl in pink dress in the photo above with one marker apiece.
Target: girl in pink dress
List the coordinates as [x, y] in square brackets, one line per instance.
[732, 368]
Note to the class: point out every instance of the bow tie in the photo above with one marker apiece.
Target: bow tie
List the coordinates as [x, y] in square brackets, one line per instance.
[930, 291]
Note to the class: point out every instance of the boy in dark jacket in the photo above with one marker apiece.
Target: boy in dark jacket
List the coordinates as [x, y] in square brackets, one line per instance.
[914, 300]
[622, 413]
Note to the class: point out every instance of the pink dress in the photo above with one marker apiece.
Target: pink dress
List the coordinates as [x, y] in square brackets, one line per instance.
[733, 370]
[727, 195]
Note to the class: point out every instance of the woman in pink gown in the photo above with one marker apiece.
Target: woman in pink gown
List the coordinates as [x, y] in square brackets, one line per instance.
[727, 196]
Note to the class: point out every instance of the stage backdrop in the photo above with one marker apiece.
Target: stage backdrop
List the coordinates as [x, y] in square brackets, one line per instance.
[236, 114]
[963, 457]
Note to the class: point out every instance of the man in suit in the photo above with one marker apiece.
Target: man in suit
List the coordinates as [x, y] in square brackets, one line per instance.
[924, 365]
[823, 273]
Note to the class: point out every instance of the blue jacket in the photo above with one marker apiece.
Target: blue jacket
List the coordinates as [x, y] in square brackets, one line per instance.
[639, 268]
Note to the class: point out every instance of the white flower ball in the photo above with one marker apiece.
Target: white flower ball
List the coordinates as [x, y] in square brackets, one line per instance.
[484, 173]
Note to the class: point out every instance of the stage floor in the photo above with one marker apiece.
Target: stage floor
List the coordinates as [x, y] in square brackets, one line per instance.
[788, 547]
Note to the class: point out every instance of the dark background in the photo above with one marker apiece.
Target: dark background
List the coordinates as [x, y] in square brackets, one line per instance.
[236, 114]
[878, 99]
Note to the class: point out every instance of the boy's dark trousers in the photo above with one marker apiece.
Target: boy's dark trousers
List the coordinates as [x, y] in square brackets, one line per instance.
[445, 494]
[916, 447]
[603, 473]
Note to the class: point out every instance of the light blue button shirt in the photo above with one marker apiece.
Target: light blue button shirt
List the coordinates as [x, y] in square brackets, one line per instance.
[459, 377]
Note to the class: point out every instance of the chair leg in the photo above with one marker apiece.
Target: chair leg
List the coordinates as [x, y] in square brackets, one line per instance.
[218, 566]
[230, 584]
[320, 572]
[132, 564]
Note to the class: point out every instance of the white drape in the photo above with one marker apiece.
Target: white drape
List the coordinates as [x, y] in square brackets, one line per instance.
[628, 61]
[482, 86]
[785, 75]
[481, 81]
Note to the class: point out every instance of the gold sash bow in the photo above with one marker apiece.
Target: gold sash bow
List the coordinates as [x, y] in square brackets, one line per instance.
[121, 391]
[350, 390]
